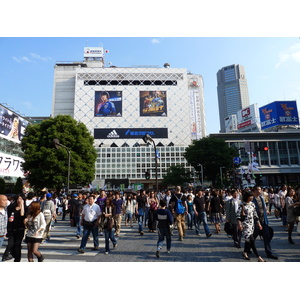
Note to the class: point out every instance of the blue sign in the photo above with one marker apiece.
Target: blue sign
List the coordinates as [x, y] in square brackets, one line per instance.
[237, 160]
[279, 113]
[129, 133]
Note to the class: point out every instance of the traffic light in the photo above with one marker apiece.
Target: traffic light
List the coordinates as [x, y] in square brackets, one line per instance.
[263, 148]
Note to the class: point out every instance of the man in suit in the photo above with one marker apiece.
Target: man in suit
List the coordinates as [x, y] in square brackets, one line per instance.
[261, 210]
[231, 207]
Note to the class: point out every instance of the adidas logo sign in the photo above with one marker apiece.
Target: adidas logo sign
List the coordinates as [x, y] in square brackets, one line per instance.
[113, 134]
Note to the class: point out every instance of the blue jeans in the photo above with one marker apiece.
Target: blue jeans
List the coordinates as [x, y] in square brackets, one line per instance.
[79, 227]
[140, 218]
[87, 230]
[162, 233]
[191, 219]
[266, 237]
[1, 241]
[147, 209]
[109, 234]
[201, 218]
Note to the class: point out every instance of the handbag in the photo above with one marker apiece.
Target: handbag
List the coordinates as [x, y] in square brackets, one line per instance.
[228, 228]
[296, 210]
[277, 213]
[110, 223]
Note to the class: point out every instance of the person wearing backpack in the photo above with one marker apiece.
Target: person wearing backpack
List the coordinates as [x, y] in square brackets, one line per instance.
[179, 208]
[48, 210]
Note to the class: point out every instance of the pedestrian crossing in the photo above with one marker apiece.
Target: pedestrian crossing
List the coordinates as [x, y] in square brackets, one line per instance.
[63, 245]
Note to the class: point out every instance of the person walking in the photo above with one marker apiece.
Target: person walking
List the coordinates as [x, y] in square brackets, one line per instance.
[200, 213]
[15, 229]
[261, 211]
[153, 201]
[247, 218]
[290, 202]
[215, 211]
[191, 213]
[140, 208]
[48, 210]
[36, 224]
[91, 214]
[119, 211]
[231, 207]
[179, 208]
[165, 220]
[3, 218]
[108, 227]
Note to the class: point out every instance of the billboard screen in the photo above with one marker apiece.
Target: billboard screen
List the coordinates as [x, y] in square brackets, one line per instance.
[108, 104]
[247, 116]
[12, 126]
[279, 113]
[129, 133]
[153, 103]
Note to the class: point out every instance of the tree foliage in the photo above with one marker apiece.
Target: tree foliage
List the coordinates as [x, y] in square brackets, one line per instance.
[48, 166]
[212, 153]
[176, 175]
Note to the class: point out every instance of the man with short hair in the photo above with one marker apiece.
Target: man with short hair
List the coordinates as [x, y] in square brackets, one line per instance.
[261, 210]
[119, 211]
[3, 218]
[177, 199]
[140, 208]
[231, 207]
[200, 213]
[91, 214]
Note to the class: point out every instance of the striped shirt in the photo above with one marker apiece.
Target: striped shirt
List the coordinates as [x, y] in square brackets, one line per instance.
[3, 222]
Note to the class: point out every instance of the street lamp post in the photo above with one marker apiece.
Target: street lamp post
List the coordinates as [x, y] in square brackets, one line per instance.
[57, 145]
[147, 138]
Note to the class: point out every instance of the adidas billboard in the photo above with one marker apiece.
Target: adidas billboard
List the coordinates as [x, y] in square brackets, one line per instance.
[129, 133]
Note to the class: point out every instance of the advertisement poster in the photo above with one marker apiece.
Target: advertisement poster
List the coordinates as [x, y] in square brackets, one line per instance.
[12, 127]
[279, 113]
[247, 116]
[153, 103]
[10, 165]
[108, 104]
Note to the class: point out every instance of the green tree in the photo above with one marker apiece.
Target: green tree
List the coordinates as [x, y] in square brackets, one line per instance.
[18, 188]
[176, 175]
[212, 153]
[48, 166]
[2, 186]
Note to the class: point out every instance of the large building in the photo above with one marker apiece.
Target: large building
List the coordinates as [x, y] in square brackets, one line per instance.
[232, 92]
[120, 105]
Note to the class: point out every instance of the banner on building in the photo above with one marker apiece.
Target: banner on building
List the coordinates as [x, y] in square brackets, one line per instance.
[12, 126]
[108, 104]
[10, 165]
[279, 113]
[247, 116]
[129, 133]
[153, 103]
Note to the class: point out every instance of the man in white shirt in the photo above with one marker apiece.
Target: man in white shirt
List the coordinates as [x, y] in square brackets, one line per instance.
[91, 214]
[3, 218]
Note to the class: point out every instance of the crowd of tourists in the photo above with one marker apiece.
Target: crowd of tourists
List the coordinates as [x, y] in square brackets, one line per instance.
[243, 214]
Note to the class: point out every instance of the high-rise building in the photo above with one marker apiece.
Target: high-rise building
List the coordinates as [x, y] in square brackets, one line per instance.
[119, 105]
[232, 92]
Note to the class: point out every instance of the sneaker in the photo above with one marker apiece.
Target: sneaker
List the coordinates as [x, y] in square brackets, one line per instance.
[168, 251]
[96, 248]
[115, 245]
[80, 250]
[208, 235]
[180, 239]
[106, 252]
[41, 258]
[78, 236]
[101, 233]
[141, 233]
[157, 253]
[7, 258]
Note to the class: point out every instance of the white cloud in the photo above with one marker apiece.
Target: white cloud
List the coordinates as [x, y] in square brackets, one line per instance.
[33, 57]
[155, 41]
[290, 54]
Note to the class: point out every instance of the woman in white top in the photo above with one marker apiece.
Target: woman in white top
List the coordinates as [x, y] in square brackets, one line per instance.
[36, 224]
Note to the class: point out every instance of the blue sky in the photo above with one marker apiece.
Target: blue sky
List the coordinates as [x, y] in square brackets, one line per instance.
[271, 65]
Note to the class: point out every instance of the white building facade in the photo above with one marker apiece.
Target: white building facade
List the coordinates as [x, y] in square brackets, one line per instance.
[120, 105]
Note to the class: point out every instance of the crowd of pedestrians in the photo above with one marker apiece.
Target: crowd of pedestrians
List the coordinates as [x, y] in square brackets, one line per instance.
[242, 213]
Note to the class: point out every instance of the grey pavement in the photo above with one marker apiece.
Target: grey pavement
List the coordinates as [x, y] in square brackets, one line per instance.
[132, 247]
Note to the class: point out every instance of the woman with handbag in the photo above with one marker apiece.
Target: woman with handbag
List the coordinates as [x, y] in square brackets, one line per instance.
[246, 218]
[108, 224]
[36, 224]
